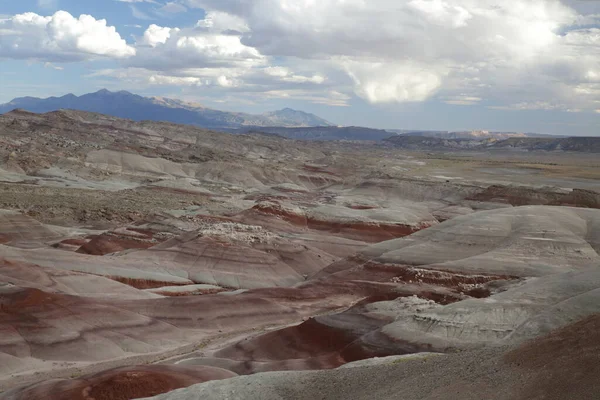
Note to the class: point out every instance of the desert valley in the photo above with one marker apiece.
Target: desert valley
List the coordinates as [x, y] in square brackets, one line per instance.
[146, 258]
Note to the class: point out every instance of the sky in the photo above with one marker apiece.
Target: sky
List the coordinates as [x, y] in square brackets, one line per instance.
[499, 65]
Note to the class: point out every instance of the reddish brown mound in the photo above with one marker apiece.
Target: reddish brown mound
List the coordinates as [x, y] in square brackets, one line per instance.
[122, 383]
[318, 169]
[370, 233]
[75, 242]
[525, 196]
[317, 337]
[112, 242]
[580, 198]
[324, 342]
[516, 196]
[563, 363]
[377, 344]
[359, 207]
[144, 283]
[192, 293]
[258, 197]
[20, 300]
[4, 238]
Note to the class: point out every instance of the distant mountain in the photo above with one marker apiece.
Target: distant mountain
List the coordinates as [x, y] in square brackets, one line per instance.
[478, 135]
[123, 104]
[425, 143]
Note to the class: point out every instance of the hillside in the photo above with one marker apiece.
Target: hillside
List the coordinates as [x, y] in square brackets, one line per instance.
[137, 258]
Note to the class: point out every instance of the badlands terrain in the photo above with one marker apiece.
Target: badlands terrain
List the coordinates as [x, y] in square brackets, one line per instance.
[142, 259]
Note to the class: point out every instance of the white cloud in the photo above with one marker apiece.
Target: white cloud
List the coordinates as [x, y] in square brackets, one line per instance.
[155, 35]
[284, 74]
[60, 38]
[414, 50]
[440, 12]
[175, 49]
[173, 8]
[462, 100]
[47, 4]
[52, 66]
[394, 82]
[139, 14]
[217, 21]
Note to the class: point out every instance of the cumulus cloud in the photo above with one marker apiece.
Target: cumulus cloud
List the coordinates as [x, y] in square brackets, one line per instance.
[414, 50]
[394, 82]
[155, 35]
[172, 49]
[60, 38]
[217, 21]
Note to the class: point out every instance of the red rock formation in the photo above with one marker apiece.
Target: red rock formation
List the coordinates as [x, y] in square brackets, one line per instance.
[119, 240]
[121, 383]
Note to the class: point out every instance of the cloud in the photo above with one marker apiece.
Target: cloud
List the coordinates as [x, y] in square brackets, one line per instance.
[286, 75]
[52, 66]
[47, 4]
[416, 50]
[168, 49]
[394, 82]
[219, 22]
[442, 13]
[172, 8]
[60, 38]
[251, 84]
[155, 35]
[211, 55]
[462, 100]
[139, 14]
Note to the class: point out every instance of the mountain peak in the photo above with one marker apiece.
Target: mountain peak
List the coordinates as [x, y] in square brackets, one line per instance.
[299, 118]
[106, 92]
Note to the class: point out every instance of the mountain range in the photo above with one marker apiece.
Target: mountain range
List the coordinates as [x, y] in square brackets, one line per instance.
[288, 123]
[524, 143]
[124, 104]
[476, 135]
